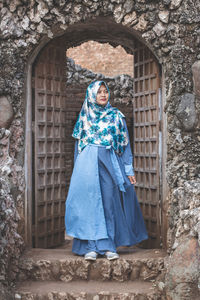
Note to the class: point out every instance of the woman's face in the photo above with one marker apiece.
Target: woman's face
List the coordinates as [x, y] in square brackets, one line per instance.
[102, 95]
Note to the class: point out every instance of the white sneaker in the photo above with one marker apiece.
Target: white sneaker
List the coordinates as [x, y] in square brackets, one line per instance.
[111, 255]
[90, 255]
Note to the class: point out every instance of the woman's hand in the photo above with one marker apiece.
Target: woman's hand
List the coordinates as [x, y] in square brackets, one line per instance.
[132, 179]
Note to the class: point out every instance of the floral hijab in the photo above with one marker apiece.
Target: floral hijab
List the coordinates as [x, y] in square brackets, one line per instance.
[99, 125]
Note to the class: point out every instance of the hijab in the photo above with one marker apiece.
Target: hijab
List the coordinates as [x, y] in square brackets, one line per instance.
[99, 125]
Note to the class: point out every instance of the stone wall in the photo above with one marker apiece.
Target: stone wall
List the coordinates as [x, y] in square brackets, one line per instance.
[171, 30]
[11, 206]
[102, 58]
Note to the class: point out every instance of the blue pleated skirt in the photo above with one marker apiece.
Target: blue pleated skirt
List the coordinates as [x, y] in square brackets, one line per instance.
[123, 216]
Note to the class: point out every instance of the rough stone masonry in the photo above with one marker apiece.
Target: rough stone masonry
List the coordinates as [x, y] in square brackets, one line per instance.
[171, 28]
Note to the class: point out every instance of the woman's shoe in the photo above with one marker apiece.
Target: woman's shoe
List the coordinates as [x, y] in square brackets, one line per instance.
[90, 255]
[111, 255]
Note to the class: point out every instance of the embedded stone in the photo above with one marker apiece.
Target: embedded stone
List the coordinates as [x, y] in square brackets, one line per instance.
[25, 23]
[117, 1]
[6, 112]
[36, 18]
[121, 270]
[166, 2]
[128, 6]
[42, 9]
[135, 273]
[21, 43]
[100, 270]
[142, 24]
[55, 269]
[161, 286]
[159, 29]
[42, 270]
[73, 269]
[165, 50]
[196, 77]
[130, 19]
[42, 27]
[186, 112]
[13, 5]
[164, 16]
[175, 4]
[147, 273]
[183, 271]
[118, 13]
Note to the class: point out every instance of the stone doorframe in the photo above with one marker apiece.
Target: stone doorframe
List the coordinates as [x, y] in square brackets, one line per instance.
[127, 43]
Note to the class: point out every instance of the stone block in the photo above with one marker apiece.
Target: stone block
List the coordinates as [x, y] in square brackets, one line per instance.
[183, 271]
[121, 270]
[142, 24]
[71, 269]
[128, 6]
[166, 2]
[6, 112]
[135, 274]
[196, 77]
[100, 270]
[42, 270]
[186, 112]
[130, 19]
[159, 29]
[164, 16]
[175, 4]
[147, 275]
[118, 13]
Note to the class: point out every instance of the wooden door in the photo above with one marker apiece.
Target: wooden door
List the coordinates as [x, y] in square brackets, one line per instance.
[147, 155]
[49, 102]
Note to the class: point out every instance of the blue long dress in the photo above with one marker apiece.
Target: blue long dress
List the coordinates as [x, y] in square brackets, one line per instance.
[116, 219]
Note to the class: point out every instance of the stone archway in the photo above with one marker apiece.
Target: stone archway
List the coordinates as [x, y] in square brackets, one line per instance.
[100, 30]
[171, 30]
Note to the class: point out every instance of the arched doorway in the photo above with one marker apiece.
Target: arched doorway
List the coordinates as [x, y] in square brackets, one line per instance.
[51, 115]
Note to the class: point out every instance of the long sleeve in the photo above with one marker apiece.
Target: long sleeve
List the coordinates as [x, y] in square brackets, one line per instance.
[75, 150]
[127, 157]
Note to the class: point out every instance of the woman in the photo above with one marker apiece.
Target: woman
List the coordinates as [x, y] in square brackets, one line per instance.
[102, 211]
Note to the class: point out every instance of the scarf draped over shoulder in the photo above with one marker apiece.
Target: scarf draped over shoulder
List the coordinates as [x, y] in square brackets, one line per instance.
[99, 125]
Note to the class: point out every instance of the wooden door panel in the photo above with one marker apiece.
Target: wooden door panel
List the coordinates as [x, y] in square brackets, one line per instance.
[49, 150]
[146, 140]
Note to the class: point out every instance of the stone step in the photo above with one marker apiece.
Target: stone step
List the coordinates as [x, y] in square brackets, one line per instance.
[62, 265]
[51, 290]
